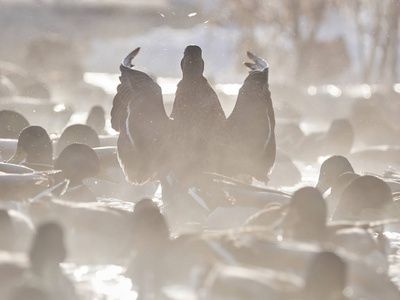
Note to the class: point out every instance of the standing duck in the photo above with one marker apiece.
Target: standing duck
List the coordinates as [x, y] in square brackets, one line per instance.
[253, 122]
[199, 119]
[151, 145]
[139, 115]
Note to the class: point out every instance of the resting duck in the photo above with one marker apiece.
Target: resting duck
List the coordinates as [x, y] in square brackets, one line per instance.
[337, 140]
[77, 133]
[47, 252]
[366, 198]
[150, 241]
[76, 162]
[34, 148]
[25, 83]
[12, 124]
[96, 119]
[330, 170]
[40, 270]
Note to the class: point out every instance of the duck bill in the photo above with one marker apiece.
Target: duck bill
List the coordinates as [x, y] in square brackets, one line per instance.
[18, 157]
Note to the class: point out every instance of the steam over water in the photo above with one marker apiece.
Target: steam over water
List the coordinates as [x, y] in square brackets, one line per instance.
[269, 170]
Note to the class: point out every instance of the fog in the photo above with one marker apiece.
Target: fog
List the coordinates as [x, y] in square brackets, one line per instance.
[274, 176]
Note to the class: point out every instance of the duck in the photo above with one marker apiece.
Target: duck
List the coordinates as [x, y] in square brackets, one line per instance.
[76, 162]
[96, 119]
[34, 148]
[338, 139]
[138, 114]
[337, 165]
[255, 138]
[366, 198]
[25, 84]
[340, 184]
[12, 124]
[47, 251]
[327, 277]
[198, 120]
[150, 240]
[331, 169]
[77, 133]
[40, 268]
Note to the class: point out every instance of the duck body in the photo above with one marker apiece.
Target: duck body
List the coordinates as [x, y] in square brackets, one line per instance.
[253, 123]
[198, 119]
[337, 140]
[138, 113]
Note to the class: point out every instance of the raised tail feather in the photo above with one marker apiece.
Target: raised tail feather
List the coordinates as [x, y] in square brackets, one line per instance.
[127, 62]
[257, 64]
[124, 91]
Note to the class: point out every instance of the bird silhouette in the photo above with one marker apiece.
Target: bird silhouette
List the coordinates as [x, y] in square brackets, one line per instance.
[197, 137]
[253, 122]
[139, 115]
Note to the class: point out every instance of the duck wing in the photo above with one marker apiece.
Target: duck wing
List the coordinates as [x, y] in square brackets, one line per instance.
[253, 121]
[139, 115]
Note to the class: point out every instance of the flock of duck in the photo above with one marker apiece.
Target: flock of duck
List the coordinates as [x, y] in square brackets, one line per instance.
[85, 197]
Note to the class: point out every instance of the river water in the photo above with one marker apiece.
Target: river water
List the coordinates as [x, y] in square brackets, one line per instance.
[107, 281]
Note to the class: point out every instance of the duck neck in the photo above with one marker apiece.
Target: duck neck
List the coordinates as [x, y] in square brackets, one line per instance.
[45, 158]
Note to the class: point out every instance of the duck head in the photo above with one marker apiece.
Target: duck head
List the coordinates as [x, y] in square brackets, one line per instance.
[77, 162]
[306, 216]
[192, 63]
[326, 277]
[149, 225]
[331, 169]
[34, 146]
[48, 249]
[78, 133]
[11, 124]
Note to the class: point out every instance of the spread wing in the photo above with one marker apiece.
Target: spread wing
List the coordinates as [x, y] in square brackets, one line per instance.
[139, 115]
[253, 121]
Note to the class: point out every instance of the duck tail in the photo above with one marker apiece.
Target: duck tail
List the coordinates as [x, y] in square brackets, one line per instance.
[257, 64]
[127, 62]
